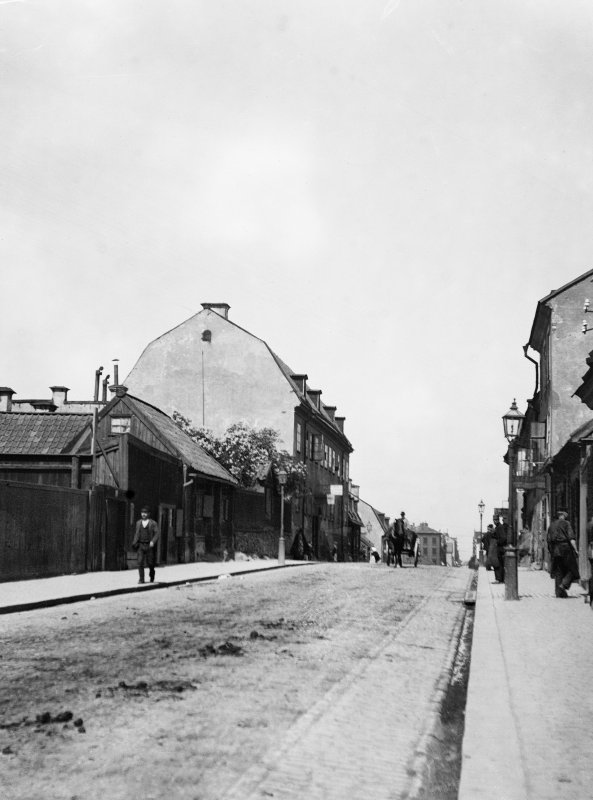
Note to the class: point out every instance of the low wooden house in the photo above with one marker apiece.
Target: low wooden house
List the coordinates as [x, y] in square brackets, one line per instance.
[147, 460]
[72, 486]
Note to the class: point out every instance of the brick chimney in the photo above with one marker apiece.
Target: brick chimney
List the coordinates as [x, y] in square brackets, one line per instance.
[6, 398]
[59, 395]
[301, 382]
[220, 308]
[340, 422]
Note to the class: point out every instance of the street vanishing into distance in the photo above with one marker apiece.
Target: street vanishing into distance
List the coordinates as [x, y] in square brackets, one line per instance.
[276, 684]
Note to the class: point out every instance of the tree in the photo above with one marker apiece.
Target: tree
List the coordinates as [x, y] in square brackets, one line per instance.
[247, 452]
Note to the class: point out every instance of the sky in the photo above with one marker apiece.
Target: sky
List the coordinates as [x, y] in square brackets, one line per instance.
[382, 190]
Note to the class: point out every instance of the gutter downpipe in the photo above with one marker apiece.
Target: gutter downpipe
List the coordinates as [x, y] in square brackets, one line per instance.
[533, 361]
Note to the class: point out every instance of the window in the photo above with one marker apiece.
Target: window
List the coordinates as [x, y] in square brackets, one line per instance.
[317, 454]
[299, 437]
[120, 424]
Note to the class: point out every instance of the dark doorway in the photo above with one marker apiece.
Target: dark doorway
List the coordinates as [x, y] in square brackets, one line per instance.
[167, 528]
[115, 539]
[315, 535]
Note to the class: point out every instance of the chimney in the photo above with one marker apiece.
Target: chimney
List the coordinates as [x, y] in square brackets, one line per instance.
[301, 382]
[315, 397]
[97, 382]
[330, 411]
[220, 308]
[6, 398]
[59, 395]
[340, 422]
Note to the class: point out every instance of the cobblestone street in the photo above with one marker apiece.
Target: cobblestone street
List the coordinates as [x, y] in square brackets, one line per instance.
[320, 682]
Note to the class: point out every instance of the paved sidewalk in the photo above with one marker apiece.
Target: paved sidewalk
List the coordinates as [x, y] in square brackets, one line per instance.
[528, 732]
[42, 592]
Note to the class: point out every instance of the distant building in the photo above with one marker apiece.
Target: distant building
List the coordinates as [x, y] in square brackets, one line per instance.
[432, 547]
[375, 525]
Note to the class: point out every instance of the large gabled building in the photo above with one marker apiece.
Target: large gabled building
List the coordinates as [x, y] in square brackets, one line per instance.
[216, 373]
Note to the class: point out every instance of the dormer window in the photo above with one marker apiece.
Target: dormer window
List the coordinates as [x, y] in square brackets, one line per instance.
[120, 424]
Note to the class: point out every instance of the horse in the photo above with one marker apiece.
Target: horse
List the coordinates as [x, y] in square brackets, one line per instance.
[408, 546]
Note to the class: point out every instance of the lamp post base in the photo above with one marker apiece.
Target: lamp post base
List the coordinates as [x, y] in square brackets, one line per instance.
[511, 578]
[281, 553]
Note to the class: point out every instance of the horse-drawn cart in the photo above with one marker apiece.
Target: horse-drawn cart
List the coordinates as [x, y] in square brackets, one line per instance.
[409, 547]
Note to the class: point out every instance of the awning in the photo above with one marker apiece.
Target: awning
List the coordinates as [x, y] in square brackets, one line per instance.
[364, 540]
[355, 519]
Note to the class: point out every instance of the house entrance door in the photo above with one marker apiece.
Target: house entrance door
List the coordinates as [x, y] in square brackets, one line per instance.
[115, 538]
[167, 529]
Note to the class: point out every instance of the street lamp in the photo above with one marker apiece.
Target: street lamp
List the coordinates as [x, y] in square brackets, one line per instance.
[481, 507]
[282, 475]
[513, 422]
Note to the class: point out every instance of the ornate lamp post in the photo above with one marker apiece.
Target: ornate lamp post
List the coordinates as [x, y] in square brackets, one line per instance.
[282, 475]
[481, 507]
[513, 422]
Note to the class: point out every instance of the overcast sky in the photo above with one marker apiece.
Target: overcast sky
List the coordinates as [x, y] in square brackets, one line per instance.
[380, 190]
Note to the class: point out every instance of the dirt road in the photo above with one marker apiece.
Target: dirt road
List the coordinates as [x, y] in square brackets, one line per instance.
[246, 687]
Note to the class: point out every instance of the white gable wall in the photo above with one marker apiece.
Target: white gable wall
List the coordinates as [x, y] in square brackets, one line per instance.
[231, 378]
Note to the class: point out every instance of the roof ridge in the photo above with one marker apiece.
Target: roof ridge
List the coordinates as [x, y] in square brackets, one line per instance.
[57, 415]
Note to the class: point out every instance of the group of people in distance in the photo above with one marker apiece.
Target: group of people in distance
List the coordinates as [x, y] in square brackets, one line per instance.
[561, 542]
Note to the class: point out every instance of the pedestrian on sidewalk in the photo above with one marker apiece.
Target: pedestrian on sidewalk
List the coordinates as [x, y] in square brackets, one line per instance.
[399, 536]
[498, 542]
[486, 539]
[561, 541]
[145, 539]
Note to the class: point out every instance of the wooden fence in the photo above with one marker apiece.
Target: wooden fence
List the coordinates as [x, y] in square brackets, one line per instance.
[43, 530]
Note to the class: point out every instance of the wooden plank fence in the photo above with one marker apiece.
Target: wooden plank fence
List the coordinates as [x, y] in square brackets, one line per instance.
[43, 530]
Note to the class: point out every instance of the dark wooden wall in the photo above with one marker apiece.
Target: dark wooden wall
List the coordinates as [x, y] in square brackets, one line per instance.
[43, 530]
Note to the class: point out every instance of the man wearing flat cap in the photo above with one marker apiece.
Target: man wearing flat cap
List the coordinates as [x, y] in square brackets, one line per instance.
[563, 551]
[145, 539]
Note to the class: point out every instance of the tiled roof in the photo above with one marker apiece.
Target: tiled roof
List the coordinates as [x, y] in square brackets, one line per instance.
[40, 433]
[288, 372]
[191, 453]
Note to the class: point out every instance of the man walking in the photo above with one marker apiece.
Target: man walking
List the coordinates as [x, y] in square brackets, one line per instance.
[563, 551]
[399, 536]
[145, 539]
[498, 543]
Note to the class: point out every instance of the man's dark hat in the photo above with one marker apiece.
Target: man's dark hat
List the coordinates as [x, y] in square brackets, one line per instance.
[145, 508]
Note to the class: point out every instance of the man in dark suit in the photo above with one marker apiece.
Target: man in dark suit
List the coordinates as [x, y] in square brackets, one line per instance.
[563, 550]
[399, 537]
[145, 539]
